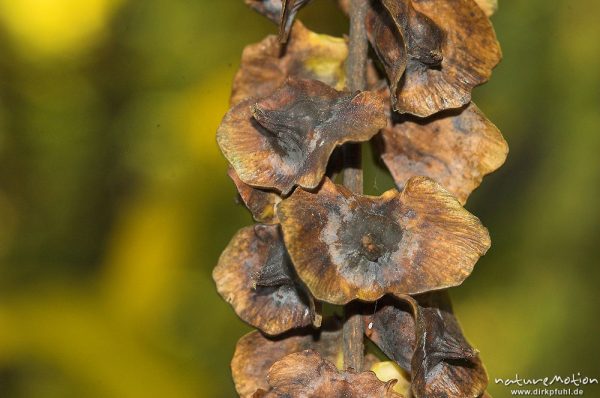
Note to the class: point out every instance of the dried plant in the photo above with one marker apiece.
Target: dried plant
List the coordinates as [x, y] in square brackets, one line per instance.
[301, 105]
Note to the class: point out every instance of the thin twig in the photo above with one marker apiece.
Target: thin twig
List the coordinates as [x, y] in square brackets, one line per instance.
[356, 66]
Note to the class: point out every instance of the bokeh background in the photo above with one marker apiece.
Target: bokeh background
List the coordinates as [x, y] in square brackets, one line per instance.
[115, 204]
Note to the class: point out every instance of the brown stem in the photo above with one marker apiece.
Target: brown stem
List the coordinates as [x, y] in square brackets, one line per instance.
[356, 67]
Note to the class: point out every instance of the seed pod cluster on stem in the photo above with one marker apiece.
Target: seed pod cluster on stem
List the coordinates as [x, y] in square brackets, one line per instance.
[301, 105]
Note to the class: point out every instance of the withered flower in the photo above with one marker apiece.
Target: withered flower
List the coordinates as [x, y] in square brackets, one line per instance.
[287, 138]
[456, 148]
[307, 374]
[260, 202]
[346, 246]
[442, 363]
[450, 45]
[282, 12]
[255, 353]
[308, 55]
[255, 276]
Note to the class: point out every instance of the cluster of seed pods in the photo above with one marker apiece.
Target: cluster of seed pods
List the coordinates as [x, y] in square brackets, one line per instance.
[316, 243]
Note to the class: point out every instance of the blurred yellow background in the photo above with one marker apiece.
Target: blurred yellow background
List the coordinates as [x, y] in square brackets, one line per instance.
[115, 203]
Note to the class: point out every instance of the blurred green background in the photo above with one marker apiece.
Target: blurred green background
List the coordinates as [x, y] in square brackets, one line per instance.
[115, 203]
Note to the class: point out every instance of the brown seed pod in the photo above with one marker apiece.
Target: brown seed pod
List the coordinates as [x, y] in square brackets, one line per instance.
[287, 138]
[255, 353]
[388, 43]
[456, 148]
[260, 202]
[451, 48]
[346, 246]
[444, 365]
[308, 55]
[441, 361]
[392, 329]
[307, 374]
[255, 276]
[422, 36]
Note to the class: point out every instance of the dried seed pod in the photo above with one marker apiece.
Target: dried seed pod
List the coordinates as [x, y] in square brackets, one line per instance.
[255, 353]
[307, 374]
[346, 246]
[287, 138]
[392, 329]
[441, 361]
[282, 12]
[255, 276]
[308, 55]
[451, 48]
[455, 148]
[444, 365]
[422, 36]
[388, 43]
[260, 202]
[488, 6]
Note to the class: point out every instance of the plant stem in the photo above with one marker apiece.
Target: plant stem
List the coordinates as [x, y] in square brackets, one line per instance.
[356, 67]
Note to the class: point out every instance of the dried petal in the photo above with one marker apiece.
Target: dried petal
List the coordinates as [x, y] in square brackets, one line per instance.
[307, 374]
[287, 138]
[260, 202]
[451, 48]
[308, 55]
[455, 148]
[256, 353]
[444, 365]
[346, 246]
[255, 276]
[488, 6]
[388, 43]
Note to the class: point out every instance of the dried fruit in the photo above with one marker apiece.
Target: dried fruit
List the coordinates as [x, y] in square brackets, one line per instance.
[255, 353]
[441, 361]
[287, 138]
[260, 202]
[388, 43]
[308, 374]
[451, 47]
[308, 55]
[255, 276]
[321, 242]
[346, 246]
[455, 148]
